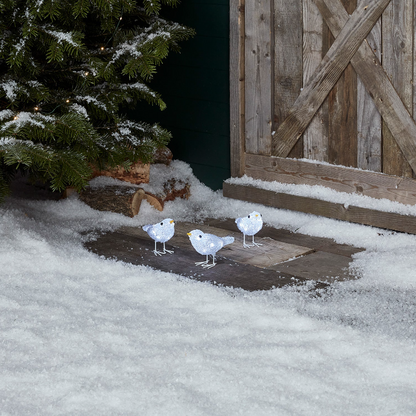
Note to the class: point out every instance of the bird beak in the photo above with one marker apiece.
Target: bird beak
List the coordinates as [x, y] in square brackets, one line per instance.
[172, 222]
[256, 215]
[189, 234]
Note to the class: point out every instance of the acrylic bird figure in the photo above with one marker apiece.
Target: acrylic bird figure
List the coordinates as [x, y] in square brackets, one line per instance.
[208, 244]
[161, 232]
[250, 225]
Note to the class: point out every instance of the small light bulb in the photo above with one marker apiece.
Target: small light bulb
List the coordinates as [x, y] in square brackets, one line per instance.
[102, 48]
[86, 73]
[36, 108]
[15, 117]
[121, 18]
[67, 101]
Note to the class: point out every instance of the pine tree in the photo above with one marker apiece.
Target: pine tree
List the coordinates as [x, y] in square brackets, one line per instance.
[68, 69]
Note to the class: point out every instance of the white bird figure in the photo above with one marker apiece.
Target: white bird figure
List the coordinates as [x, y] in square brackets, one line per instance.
[250, 225]
[161, 232]
[207, 244]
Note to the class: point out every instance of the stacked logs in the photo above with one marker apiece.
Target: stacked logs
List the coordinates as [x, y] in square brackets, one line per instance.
[127, 199]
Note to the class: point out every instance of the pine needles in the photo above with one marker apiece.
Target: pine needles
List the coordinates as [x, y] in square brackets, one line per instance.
[66, 68]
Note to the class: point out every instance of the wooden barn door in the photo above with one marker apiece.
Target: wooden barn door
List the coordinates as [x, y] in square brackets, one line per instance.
[330, 81]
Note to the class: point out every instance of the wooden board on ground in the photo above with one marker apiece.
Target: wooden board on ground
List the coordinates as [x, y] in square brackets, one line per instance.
[276, 264]
[138, 250]
[310, 267]
[270, 253]
[326, 245]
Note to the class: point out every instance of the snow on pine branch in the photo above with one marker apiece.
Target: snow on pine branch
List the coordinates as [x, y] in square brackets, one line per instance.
[91, 100]
[10, 88]
[78, 108]
[63, 37]
[23, 118]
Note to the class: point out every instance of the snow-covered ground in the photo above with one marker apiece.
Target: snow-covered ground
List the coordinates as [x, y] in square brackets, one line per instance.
[83, 335]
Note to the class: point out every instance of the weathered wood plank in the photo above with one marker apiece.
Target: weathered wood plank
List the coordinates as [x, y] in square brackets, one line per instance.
[342, 111]
[369, 142]
[372, 184]
[258, 77]
[310, 267]
[326, 245]
[389, 220]
[389, 104]
[414, 66]
[237, 87]
[315, 138]
[287, 61]
[398, 63]
[336, 60]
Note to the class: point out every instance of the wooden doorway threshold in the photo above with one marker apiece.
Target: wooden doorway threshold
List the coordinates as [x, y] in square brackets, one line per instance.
[381, 219]
[285, 258]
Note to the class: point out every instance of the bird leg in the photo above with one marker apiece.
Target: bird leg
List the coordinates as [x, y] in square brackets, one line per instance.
[157, 253]
[245, 245]
[202, 263]
[208, 266]
[166, 251]
[256, 244]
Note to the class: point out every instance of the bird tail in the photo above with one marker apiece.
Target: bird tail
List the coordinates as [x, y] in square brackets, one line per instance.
[228, 240]
[146, 227]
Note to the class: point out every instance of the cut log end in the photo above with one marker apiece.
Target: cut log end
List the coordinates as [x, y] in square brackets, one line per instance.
[120, 199]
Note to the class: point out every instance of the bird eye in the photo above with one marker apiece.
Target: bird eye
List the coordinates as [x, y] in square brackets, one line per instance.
[161, 223]
[200, 236]
[248, 216]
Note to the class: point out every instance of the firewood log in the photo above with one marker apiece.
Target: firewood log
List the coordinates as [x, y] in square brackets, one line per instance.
[172, 189]
[137, 174]
[120, 199]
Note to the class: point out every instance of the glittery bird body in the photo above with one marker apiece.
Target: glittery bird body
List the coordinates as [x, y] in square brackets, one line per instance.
[161, 232]
[208, 244]
[250, 225]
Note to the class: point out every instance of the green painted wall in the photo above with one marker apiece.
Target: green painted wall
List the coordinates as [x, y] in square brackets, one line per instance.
[195, 86]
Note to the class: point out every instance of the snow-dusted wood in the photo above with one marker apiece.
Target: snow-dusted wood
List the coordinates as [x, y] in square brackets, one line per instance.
[137, 174]
[351, 213]
[373, 184]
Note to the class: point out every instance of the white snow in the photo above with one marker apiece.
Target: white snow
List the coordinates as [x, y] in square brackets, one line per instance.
[77, 108]
[85, 335]
[10, 88]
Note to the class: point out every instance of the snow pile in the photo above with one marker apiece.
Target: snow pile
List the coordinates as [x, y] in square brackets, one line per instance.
[84, 335]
